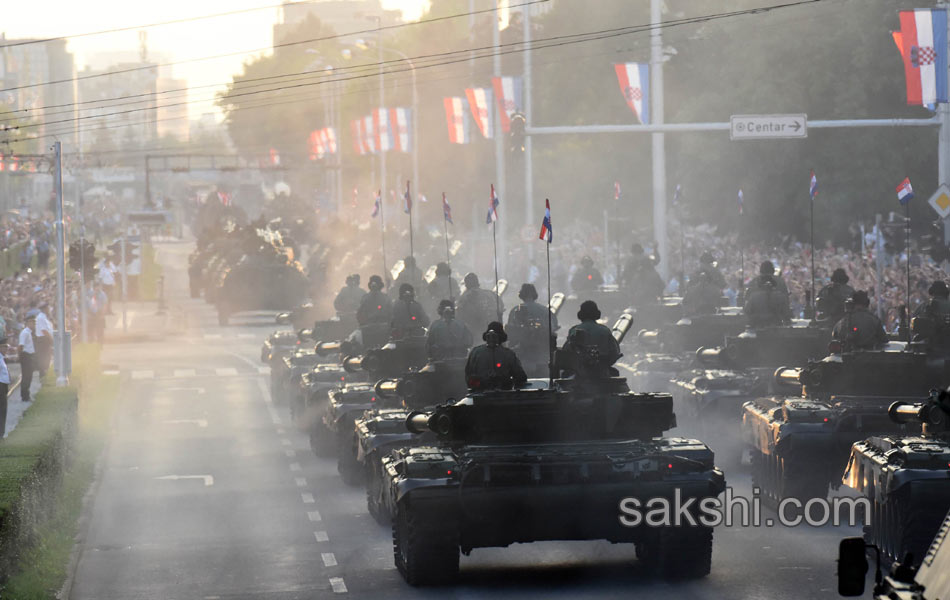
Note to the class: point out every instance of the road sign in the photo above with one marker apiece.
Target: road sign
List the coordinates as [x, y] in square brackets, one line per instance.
[940, 201]
[757, 127]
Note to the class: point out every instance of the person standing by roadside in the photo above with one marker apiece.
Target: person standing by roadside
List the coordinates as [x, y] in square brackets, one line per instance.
[27, 356]
[44, 340]
[4, 387]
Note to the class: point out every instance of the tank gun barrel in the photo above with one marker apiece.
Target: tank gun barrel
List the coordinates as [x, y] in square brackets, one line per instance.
[387, 389]
[622, 326]
[436, 422]
[649, 337]
[327, 348]
[788, 377]
[710, 356]
[353, 364]
[929, 413]
[557, 301]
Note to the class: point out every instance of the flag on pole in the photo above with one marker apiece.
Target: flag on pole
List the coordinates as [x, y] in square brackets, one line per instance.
[813, 186]
[455, 119]
[317, 148]
[330, 140]
[508, 96]
[922, 42]
[399, 120]
[356, 196]
[377, 203]
[546, 231]
[356, 132]
[492, 207]
[446, 209]
[479, 101]
[905, 193]
[634, 80]
[616, 190]
[741, 207]
[408, 200]
[382, 131]
[676, 194]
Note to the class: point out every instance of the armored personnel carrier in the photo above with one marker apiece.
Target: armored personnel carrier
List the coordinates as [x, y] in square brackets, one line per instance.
[905, 477]
[800, 443]
[544, 464]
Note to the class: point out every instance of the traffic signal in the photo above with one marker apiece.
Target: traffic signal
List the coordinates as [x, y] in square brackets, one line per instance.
[82, 253]
[131, 251]
[517, 132]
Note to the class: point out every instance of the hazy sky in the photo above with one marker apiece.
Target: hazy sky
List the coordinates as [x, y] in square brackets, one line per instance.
[206, 37]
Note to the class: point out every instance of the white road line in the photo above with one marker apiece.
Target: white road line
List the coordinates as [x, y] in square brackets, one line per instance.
[185, 373]
[295, 467]
[197, 390]
[208, 479]
[263, 370]
[307, 499]
[265, 393]
[225, 372]
[199, 422]
[143, 374]
[314, 515]
[321, 536]
[110, 372]
[337, 584]
[246, 360]
[290, 453]
[213, 336]
[300, 481]
[286, 442]
[280, 431]
[329, 560]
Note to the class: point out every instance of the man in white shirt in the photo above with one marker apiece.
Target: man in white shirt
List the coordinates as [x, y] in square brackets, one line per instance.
[106, 277]
[27, 356]
[4, 387]
[43, 340]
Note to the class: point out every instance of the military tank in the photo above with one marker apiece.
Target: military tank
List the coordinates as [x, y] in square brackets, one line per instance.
[349, 401]
[905, 477]
[740, 370]
[800, 442]
[535, 464]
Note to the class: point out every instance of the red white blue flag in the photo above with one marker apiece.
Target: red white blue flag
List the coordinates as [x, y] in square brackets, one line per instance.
[407, 198]
[382, 131]
[377, 204]
[546, 231]
[456, 121]
[813, 186]
[479, 101]
[922, 42]
[634, 79]
[616, 190]
[356, 132]
[329, 140]
[741, 199]
[399, 120]
[492, 207]
[446, 209]
[905, 193]
[369, 137]
[508, 96]
[317, 149]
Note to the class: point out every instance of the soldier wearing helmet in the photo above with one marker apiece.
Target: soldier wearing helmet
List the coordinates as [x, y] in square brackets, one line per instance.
[704, 292]
[766, 300]
[586, 278]
[831, 298]
[859, 329]
[444, 286]
[408, 315]
[492, 365]
[348, 300]
[640, 277]
[447, 337]
[478, 307]
[591, 346]
[528, 327]
[931, 322]
[374, 314]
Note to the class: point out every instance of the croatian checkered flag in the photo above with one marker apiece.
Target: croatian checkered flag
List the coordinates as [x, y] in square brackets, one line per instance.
[547, 233]
[492, 207]
[446, 210]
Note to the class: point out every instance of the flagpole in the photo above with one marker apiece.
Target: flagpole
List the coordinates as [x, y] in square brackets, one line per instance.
[494, 240]
[409, 206]
[445, 228]
[551, 344]
[382, 233]
[907, 246]
[811, 204]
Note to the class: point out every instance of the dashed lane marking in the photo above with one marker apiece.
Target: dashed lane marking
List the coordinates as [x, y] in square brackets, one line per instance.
[197, 390]
[286, 442]
[295, 467]
[321, 536]
[290, 453]
[263, 370]
[199, 422]
[300, 481]
[337, 584]
[143, 374]
[110, 372]
[225, 372]
[307, 499]
[185, 373]
[314, 515]
[246, 336]
[208, 479]
[329, 559]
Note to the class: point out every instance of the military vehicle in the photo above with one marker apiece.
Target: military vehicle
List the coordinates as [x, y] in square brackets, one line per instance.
[537, 464]
[905, 477]
[740, 370]
[350, 400]
[906, 580]
[800, 442]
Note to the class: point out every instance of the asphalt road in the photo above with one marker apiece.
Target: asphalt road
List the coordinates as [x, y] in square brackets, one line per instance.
[208, 491]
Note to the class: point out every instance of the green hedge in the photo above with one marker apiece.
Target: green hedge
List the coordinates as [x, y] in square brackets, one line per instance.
[33, 459]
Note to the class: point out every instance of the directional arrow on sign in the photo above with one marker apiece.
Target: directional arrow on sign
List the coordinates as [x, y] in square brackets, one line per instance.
[796, 125]
[208, 479]
[198, 422]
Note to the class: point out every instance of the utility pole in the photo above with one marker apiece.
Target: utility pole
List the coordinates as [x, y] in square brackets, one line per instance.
[530, 215]
[499, 141]
[658, 138]
[943, 141]
[60, 337]
[382, 99]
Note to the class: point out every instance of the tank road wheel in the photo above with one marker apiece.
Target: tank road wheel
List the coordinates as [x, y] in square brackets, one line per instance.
[425, 548]
[375, 490]
[346, 464]
[678, 552]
